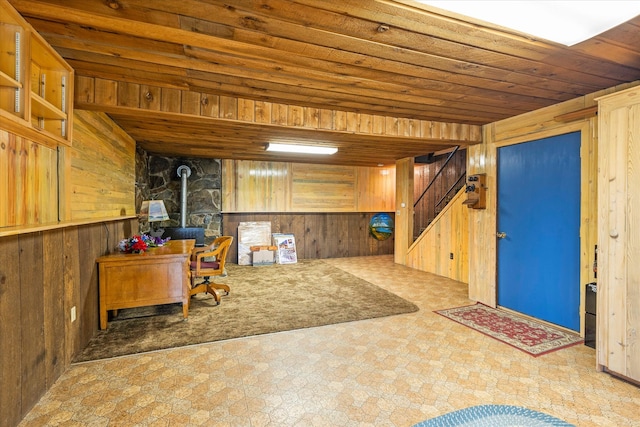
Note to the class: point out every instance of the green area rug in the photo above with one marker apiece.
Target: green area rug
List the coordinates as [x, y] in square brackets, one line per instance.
[263, 300]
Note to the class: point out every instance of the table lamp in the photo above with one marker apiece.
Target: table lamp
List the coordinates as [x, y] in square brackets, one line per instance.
[154, 211]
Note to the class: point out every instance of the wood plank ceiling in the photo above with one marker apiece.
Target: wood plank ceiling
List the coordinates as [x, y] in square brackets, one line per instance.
[383, 57]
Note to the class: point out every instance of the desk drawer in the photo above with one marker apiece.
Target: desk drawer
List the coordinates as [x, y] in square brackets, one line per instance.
[142, 284]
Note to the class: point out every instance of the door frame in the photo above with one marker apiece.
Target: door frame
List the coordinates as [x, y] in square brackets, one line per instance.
[567, 313]
[482, 158]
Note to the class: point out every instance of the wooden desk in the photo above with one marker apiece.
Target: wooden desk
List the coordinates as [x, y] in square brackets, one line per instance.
[157, 276]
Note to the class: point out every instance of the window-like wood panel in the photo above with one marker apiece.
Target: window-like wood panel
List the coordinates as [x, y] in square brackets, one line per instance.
[323, 188]
[250, 186]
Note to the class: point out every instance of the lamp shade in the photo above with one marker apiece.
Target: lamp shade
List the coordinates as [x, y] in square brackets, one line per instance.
[154, 210]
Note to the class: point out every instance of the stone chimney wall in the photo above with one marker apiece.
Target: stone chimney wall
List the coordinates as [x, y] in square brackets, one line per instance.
[157, 178]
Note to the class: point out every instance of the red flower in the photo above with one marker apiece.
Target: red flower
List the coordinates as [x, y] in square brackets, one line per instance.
[139, 246]
[133, 244]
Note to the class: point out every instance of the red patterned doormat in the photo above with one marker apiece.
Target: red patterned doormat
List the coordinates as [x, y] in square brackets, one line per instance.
[525, 334]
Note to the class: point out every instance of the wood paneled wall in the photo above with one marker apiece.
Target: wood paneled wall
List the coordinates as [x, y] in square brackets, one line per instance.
[251, 186]
[618, 309]
[404, 209]
[443, 248]
[570, 116]
[101, 178]
[327, 208]
[48, 262]
[555, 120]
[318, 235]
[47, 185]
[28, 181]
[42, 276]
[376, 189]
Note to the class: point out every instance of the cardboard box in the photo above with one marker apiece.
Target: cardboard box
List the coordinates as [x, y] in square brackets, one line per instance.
[263, 257]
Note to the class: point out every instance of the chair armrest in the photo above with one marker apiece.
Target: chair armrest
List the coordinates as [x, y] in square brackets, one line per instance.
[200, 249]
[215, 244]
[211, 253]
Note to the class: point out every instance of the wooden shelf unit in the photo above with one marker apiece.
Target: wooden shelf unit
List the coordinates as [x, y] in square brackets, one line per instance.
[36, 83]
[8, 81]
[13, 48]
[41, 108]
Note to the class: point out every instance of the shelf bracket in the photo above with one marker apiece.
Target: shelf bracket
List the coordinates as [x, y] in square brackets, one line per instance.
[18, 94]
[63, 126]
[43, 82]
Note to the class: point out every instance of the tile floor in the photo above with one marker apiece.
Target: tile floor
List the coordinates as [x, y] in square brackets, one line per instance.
[394, 371]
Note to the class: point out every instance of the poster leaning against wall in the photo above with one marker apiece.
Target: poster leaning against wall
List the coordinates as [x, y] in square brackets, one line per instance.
[286, 252]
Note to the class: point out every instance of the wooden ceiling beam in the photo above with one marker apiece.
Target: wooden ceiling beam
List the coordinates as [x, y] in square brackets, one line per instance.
[316, 99]
[472, 134]
[359, 139]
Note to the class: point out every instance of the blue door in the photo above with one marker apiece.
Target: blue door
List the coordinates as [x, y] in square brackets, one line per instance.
[539, 229]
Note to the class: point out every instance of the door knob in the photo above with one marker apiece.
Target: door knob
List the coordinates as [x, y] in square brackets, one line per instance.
[501, 234]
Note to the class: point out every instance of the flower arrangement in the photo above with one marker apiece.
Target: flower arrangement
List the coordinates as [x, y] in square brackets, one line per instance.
[133, 244]
[152, 242]
[140, 243]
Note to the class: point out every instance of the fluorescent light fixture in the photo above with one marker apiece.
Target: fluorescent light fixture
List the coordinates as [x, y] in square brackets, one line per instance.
[305, 149]
[565, 22]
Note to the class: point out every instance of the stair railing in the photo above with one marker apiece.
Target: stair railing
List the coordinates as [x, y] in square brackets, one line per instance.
[453, 189]
[424, 214]
[437, 175]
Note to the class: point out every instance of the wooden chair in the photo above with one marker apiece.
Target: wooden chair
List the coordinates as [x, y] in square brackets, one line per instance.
[216, 252]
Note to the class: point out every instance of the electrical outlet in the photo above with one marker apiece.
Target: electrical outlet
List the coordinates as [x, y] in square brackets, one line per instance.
[73, 313]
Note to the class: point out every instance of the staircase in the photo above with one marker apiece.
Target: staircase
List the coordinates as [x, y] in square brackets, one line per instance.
[436, 182]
